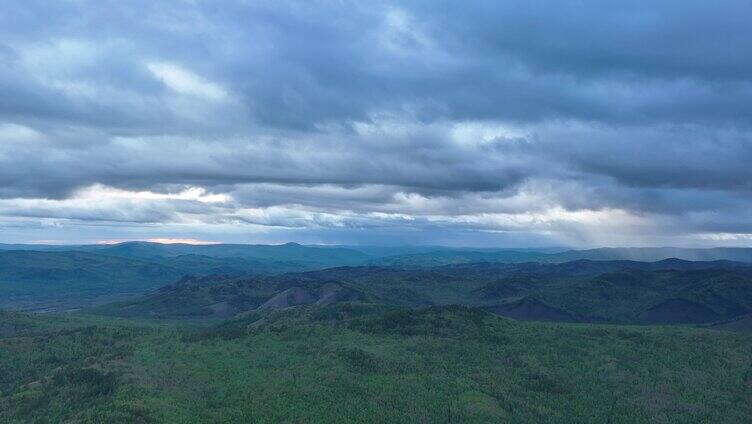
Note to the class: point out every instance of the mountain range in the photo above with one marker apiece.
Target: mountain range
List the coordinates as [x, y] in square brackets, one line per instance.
[51, 277]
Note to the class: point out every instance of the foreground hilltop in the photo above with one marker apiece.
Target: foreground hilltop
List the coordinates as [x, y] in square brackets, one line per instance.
[346, 362]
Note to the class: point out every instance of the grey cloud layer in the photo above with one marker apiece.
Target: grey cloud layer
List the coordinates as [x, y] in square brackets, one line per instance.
[346, 114]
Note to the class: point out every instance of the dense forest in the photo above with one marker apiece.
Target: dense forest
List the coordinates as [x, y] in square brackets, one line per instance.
[147, 333]
[349, 362]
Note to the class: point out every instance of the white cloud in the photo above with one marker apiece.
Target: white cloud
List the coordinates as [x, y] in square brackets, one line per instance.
[183, 81]
[469, 133]
[14, 133]
[100, 192]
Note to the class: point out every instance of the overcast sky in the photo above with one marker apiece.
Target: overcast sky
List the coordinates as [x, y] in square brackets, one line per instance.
[482, 123]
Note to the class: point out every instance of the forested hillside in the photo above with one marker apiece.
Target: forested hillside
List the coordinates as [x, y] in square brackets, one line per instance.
[357, 363]
[582, 291]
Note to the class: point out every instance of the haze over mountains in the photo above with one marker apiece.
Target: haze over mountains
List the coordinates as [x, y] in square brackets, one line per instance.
[336, 254]
[53, 278]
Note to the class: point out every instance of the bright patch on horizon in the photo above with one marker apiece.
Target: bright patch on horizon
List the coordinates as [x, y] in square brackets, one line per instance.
[181, 241]
[195, 242]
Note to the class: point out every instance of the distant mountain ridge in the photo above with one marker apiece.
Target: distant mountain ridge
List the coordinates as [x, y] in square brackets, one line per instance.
[650, 254]
[406, 256]
[62, 277]
[663, 292]
[139, 249]
[640, 254]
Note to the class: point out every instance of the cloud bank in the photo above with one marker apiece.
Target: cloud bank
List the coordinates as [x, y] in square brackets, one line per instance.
[522, 123]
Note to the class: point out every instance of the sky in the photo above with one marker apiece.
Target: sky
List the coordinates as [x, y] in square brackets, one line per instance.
[481, 123]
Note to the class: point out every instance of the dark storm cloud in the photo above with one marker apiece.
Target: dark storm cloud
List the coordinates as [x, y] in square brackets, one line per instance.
[354, 114]
[301, 64]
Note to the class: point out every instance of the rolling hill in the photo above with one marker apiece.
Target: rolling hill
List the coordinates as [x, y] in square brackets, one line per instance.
[670, 291]
[54, 280]
[46, 279]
